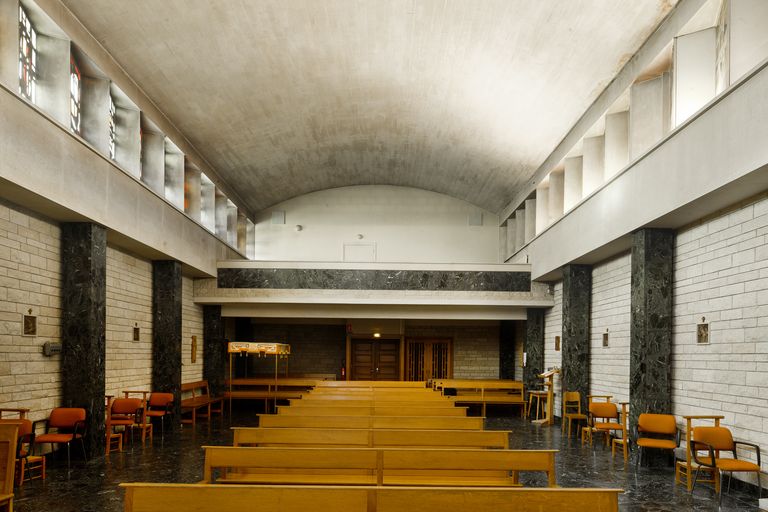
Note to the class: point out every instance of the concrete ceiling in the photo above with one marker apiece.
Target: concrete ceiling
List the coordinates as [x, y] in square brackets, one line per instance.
[285, 97]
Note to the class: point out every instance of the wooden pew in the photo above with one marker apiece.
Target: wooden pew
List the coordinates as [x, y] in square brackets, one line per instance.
[375, 466]
[351, 384]
[200, 398]
[143, 497]
[8, 437]
[484, 391]
[345, 410]
[357, 402]
[268, 388]
[309, 437]
[377, 396]
[390, 422]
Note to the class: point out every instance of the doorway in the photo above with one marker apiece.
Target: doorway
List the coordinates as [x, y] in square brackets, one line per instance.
[428, 358]
[375, 359]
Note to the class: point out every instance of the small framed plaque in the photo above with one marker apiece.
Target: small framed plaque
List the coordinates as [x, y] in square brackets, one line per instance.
[557, 342]
[702, 333]
[29, 325]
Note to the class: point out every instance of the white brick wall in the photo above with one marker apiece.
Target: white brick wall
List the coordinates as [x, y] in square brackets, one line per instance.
[129, 304]
[609, 372]
[191, 325]
[30, 278]
[721, 269]
[553, 326]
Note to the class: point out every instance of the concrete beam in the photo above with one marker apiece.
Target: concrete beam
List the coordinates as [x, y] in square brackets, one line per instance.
[593, 171]
[695, 72]
[573, 182]
[616, 143]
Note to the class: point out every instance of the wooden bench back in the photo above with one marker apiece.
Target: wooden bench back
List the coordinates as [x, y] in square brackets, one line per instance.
[484, 467]
[378, 384]
[413, 410]
[197, 388]
[448, 439]
[377, 422]
[8, 438]
[142, 497]
[478, 384]
[270, 383]
[356, 402]
[376, 396]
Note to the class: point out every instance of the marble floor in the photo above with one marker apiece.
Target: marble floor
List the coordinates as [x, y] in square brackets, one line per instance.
[93, 486]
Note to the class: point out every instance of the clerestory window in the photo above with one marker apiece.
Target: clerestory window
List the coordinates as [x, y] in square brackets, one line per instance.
[75, 91]
[27, 57]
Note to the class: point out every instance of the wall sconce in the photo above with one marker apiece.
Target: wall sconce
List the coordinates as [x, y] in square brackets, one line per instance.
[359, 236]
[377, 335]
[298, 227]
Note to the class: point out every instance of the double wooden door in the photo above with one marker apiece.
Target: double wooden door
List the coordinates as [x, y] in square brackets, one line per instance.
[428, 359]
[375, 360]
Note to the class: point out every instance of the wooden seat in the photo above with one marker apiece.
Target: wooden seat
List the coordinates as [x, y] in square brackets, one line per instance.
[309, 437]
[200, 399]
[379, 466]
[375, 410]
[572, 410]
[390, 422]
[292, 498]
[605, 418]
[8, 439]
[484, 392]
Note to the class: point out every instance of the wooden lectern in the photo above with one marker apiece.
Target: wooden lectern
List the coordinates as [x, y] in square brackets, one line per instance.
[549, 418]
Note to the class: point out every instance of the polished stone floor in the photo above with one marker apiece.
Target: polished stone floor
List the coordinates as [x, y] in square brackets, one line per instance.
[93, 486]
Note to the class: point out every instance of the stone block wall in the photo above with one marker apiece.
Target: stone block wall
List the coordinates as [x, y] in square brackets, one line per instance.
[553, 326]
[30, 278]
[191, 325]
[609, 372]
[129, 305]
[721, 268]
[314, 348]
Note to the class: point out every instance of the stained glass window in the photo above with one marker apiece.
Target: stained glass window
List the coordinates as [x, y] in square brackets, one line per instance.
[75, 89]
[27, 56]
[112, 128]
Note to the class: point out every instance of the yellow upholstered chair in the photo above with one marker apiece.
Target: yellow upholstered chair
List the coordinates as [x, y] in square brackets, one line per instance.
[64, 426]
[713, 441]
[572, 410]
[605, 418]
[656, 431]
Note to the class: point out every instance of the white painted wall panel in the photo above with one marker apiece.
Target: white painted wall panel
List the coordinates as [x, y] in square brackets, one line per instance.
[407, 225]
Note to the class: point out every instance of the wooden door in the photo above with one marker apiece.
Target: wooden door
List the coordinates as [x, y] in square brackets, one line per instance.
[375, 360]
[428, 359]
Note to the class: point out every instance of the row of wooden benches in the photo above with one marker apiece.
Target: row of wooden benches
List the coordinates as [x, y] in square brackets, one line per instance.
[141, 497]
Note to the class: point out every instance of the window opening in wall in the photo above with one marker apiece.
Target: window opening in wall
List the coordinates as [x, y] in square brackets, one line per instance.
[27, 57]
[75, 89]
[112, 128]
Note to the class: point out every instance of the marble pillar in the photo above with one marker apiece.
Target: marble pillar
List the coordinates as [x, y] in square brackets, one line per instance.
[166, 329]
[577, 295]
[214, 349]
[534, 349]
[650, 369]
[507, 349]
[83, 325]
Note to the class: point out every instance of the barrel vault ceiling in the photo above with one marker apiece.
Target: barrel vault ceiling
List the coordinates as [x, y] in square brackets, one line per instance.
[286, 97]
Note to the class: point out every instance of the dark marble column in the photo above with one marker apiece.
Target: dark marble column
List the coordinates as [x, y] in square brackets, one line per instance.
[214, 349]
[507, 344]
[83, 324]
[577, 297]
[650, 370]
[166, 329]
[534, 349]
